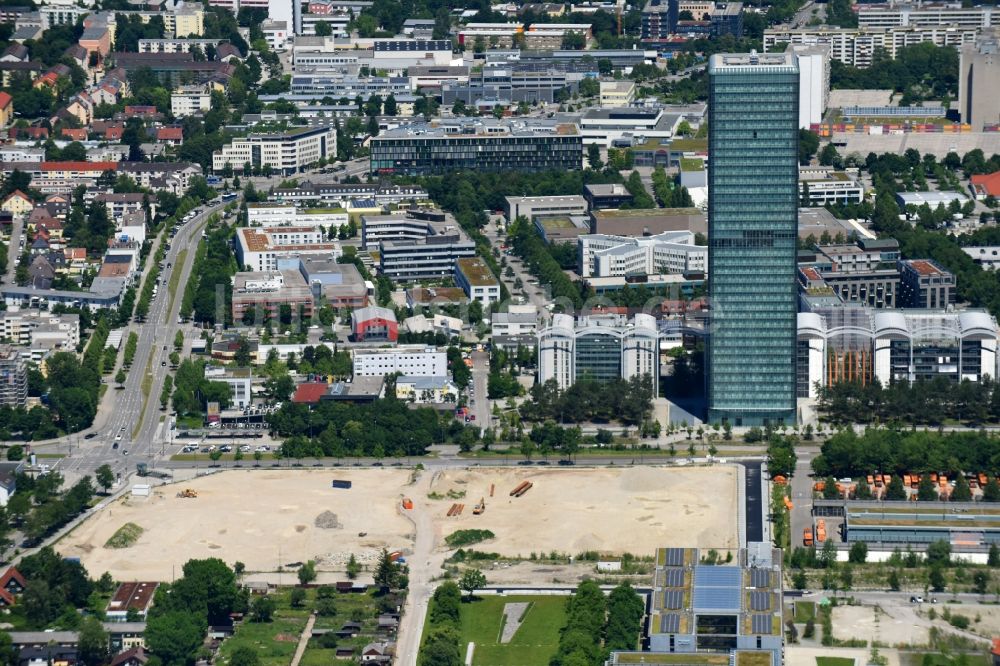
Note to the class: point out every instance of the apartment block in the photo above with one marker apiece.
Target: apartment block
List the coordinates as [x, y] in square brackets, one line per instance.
[260, 249]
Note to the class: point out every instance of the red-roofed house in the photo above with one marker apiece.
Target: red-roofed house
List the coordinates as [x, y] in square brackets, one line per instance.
[6, 109]
[114, 133]
[172, 135]
[74, 133]
[37, 132]
[309, 393]
[12, 584]
[985, 185]
[18, 203]
[140, 110]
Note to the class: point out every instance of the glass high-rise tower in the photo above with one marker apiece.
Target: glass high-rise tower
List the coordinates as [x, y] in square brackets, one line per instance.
[753, 107]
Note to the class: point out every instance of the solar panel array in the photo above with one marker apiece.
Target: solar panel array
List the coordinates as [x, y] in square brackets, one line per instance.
[675, 557]
[760, 578]
[760, 601]
[761, 624]
[670, 623]
[673, 577]
[717, 588]
[673, 599]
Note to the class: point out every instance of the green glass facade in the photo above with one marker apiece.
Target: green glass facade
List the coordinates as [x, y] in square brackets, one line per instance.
[752, 226]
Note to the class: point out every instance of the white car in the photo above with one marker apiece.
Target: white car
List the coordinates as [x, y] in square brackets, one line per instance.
[118, 438]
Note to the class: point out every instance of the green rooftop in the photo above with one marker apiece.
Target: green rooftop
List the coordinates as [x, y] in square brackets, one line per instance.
[692, 164]
[645, 212]
[689, 145]
[663, 659]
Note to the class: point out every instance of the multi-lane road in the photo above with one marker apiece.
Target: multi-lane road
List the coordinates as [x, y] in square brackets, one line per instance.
[129, 428]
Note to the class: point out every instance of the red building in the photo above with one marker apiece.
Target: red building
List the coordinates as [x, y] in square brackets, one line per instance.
[374, 324]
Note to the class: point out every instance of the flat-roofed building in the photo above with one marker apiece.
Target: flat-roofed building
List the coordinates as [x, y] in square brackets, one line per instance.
[923, 283]
[822, 186]
[529, 207]
[268, 291]
[260, 248]
[239, 380]
[674, 252]
[410, 360]
[283, 153]
[477, 280]
[647, 222]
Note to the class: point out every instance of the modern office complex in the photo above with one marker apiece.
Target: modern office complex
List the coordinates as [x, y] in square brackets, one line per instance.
[860, 344]
[814, 81]
[673, 252]
[891, 15]
[284, 153]
[477, 280]
[821, 186]
[260, 249]
[866, 273]
[713, 613]
[979, 80]
[753, 221]
[410, 360]
[477, 145]
[599, 347]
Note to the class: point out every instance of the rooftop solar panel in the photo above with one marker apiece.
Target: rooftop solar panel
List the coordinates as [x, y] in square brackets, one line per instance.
[760, 578]
[673, 599]
[713, 576]
[761, 624]
[760, 601]
[670, 623]
[717, 598]
[674, 577]
[675, 557]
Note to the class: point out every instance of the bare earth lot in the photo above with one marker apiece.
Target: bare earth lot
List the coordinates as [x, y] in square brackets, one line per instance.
[633, 510]
[248, 515]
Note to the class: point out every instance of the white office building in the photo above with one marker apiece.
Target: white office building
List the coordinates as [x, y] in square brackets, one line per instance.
[821, 186]
[282, 215]
[409, 360]
[283, 153]
[814, 82]
[517, 320]
[239, 381]
[260, 249]
[672, 252]
[600, 348]
[529, 207]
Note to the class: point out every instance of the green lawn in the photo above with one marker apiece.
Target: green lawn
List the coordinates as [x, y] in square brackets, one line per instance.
[805, 611]
[834, 661]
[274, 642]
[930, 659]
[535, 641]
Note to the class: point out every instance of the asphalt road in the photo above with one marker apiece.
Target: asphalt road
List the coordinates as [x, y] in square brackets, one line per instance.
[479, 405]
[14, 247]
[129, 406]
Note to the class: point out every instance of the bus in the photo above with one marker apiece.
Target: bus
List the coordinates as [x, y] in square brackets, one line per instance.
[229, 196]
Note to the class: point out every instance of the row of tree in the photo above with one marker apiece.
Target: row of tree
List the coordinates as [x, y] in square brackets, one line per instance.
[921, 402]
[627, 401]
[894, 451]
[596, 625]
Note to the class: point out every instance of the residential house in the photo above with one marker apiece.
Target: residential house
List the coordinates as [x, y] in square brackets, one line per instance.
[173, 136]
[10, 69]
[15, 53]
[8, 479]
[378, 653]
[73, 133]
[40, 272]
[17, 202]
[79, 55]
[6, 109]
[12, 584]
[52, 76]
[133, 657]
[81, 107]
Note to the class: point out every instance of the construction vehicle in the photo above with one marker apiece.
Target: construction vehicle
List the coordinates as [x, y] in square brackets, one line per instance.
[807, 536]
[479, 508]
[188, 493]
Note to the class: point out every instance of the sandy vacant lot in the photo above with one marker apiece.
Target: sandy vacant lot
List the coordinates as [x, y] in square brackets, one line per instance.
[248, 516]
[265, 518]
[897, 625]
[633, 510]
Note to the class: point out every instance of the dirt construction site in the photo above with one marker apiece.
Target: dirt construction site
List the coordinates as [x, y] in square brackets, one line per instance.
[267, 518]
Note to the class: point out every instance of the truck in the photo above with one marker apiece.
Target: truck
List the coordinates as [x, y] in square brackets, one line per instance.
[340, 483]
[807, 536]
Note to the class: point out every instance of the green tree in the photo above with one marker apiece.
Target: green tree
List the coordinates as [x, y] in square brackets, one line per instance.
[353, 568]
[174, 636]
[93, 642]
[961, 492]
[980, 581]
[939, 552]
[894, 580]
[895, 491]
[244, 655]
[105, 477]
[307, 572]
[263, 608]
[926, 492]
[991, 491]
[385, 570]
[808, 145]
[441, 648]
[472, 580]
[830, 488]
[858, 553]
[936, 578]
[993, 559]
[297, 597]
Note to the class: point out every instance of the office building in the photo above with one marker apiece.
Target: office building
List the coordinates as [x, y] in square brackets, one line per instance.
[239, 380]
[269, 291]
[646, 221]
[270, 214]
[516, 321]
[861, 344]
[282, 153]
[608, 127]
[409, 360]
[814, 82]
[260, 249]
[477, 280]
[342, 194]
[714, 613]
[672, 252]
[857, 46]
[426, 390]
[752, 220]
[821, 186]
[332, 283]
[508, 84]
[606, 195]
[979, 81]
[617, 93]
[925, 284]
[482, 145]
[545, 36]
[866, 273]
[529, 207]
[40, 330]
[338, 86]
[600, 348]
